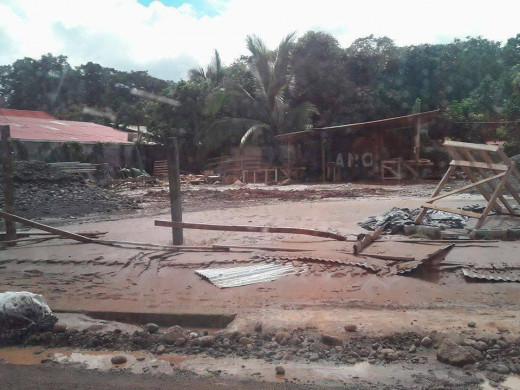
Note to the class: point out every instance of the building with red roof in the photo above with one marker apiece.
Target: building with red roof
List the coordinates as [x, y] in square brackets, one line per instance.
[40, 126]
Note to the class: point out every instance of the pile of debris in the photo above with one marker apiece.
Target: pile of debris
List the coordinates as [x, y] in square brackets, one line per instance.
[42, 190]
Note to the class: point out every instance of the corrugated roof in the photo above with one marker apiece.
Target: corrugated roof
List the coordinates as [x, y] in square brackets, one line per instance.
[44, 127]
[241, 276]
[493, 274]
[25, 113]
[381, 124]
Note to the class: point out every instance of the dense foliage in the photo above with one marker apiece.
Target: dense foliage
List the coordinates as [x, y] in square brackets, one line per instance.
[307, 81]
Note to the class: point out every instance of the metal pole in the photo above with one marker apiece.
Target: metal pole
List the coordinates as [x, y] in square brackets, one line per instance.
[7, 160]
[174, 180]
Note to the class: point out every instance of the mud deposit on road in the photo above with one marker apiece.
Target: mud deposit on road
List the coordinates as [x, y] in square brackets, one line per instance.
[45, 191]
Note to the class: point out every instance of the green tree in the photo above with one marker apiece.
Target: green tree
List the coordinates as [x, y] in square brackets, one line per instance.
[270, 112]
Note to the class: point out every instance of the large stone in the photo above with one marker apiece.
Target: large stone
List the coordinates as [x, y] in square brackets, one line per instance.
[451, 353]
[281, 336]
[331, 340]
[350, 328]
[151, 328]
[480, 345]
[279, 370]
[172, 334]
[206, 341]
[118, 359]
[59, 327]
[426, 342]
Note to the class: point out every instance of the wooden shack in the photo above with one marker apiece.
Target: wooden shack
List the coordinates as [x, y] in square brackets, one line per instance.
[386, 148]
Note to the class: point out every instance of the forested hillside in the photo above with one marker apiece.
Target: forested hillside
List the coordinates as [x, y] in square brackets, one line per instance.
[309, 81]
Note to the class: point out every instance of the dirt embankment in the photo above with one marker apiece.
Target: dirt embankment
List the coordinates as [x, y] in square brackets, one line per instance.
[45, 191]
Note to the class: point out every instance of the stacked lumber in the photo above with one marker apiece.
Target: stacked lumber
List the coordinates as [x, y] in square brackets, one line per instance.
[160, 168]
[192, 179]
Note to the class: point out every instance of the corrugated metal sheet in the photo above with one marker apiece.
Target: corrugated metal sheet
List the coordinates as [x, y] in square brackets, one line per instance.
[40, 128]
[405, 267]
[241, 276]
[493, 274]
[373, 265]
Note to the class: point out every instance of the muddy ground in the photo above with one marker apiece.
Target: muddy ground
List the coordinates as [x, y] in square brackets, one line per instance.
[302, 318]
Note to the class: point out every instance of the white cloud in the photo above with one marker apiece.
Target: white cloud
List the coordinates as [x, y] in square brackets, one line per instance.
[167, 41]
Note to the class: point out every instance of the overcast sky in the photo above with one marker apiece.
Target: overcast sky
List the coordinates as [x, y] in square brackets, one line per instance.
[168, 37]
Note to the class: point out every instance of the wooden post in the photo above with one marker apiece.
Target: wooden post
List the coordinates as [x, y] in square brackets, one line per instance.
[7, 160]
[289, 158]
[323, 161]
[417, 146]
[174, 180]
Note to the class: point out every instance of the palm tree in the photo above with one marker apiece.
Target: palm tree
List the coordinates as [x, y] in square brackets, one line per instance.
[273, 82]
[214, 72]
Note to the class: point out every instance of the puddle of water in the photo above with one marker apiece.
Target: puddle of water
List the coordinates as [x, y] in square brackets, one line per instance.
[303, 372]
[512, 382]
[25, 357]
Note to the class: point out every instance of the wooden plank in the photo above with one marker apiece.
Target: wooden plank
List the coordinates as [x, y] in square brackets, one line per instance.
[466, 187]
[174, 248]
[45, 228]
[450, 210]
[476, 164]
[494, 197]
[381, 256]
[514, 168]
[263, 248]
[485, 175]
[367, 240]
[437, 191]
[512, 191]
[174, 184]
[469, 173]
[470, 146]
[257, 229]
[8, 167]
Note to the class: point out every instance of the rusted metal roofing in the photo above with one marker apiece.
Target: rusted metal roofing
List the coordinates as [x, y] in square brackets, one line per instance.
[493, 274]
[39, 126]
[25, 113]
[381, 124]
[241, 276]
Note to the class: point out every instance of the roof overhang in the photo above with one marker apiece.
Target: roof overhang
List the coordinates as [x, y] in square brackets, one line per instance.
[378, 125]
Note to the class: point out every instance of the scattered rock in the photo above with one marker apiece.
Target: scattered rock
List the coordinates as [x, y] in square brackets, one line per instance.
[160, 349]
[426, 342]
[180, 342]
[206, 341]
[472, 324]
[258, 327]
[246, 340]
[151, 328]
[480, 345]
[279, 370]
[503, 369]
[494, 376]
[172, 334]
[451, 353]
[59, 327]
[350, 328]
[118, 359]
[280, 336]
[331, 340]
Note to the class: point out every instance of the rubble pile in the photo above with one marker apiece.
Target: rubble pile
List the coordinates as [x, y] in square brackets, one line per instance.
[497, 357]
[42, 190]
